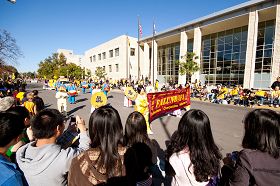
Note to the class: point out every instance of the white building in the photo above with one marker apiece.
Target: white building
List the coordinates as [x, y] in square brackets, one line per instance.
[71, 57]
[119, 58]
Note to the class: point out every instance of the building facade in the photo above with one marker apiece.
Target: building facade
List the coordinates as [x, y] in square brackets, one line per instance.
[238, 45]
[71, 57]
[119, 58]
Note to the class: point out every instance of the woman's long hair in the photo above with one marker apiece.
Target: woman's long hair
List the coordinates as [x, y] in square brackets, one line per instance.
[194, 132]
[136, 129]
[106, 133]
[262, 131]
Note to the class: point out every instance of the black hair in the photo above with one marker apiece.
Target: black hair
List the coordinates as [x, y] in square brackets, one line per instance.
[106, 133]
[262, 131]
[137, 159]
[21, 112]
[10, 128]
[45, 123]
[194, 132]
[136, 129]
[139, 88]
[35, 92]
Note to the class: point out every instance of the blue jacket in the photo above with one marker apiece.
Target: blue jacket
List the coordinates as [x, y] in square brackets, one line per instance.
[9, 175]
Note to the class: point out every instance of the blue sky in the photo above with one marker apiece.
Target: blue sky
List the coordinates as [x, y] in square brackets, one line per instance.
[42, 26]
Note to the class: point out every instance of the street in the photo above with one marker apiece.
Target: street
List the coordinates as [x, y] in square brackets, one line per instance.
[226, 120]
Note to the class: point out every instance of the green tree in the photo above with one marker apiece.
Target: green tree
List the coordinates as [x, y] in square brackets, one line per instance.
[187, 65]
[100, 72]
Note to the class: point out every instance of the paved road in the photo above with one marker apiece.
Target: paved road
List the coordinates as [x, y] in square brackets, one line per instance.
[226, 120]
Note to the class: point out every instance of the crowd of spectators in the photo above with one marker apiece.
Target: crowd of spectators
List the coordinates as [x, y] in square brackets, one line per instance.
[237, 95]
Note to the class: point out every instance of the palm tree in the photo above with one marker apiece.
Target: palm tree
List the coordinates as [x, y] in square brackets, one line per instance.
[187, 65]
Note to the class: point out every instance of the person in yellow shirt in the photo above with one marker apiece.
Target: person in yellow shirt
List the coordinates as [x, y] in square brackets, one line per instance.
[275, 97]
[234, 94]
[222, 94]
[141, 105]
[260, 95]
[30, 105]
[20, 95]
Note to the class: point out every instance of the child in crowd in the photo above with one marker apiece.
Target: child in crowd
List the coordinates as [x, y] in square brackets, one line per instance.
[275, 97]
[260, 96]
[192, 152]
[30, 105]
[10, 133]
[259, 162]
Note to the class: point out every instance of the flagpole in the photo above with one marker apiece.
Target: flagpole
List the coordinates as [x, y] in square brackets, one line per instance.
[153, 80]
[138, 69]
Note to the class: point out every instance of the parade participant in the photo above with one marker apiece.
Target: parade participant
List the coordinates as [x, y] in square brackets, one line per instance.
[61, 97]
[20, 95]
[129, 96]
[150, 88]
[72, 91]
[38, 101]
[92, 86]
[84, 86]
[106, 87]
[141, 105]
[95, 90]
[156, 86]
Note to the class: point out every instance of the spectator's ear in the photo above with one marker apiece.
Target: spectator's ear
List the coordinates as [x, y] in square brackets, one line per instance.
[59, 130]
[27, 122]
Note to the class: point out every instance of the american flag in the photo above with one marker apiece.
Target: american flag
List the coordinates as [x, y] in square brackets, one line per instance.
[140, 30]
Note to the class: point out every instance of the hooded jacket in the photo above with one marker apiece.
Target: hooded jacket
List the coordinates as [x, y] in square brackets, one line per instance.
[48, 164]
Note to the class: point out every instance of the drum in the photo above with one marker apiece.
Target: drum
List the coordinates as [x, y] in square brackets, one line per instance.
[72, 93]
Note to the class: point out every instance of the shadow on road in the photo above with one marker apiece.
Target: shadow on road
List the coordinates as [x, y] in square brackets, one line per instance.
[81, 100]
[47, 105]
[163, 124]
[75, 109]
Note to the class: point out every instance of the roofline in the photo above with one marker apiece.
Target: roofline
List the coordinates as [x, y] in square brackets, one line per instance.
[207, 17]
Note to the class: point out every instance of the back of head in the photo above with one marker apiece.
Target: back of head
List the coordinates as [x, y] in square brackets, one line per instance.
[194, 133]
[45, 123]
[139, 88]
[30, 95]
[35, 92]
[21, 112]
[262, 131]
[136, 129]
[106, 133]
[10, 128]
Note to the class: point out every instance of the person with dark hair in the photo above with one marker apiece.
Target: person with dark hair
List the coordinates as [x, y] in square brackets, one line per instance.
[276, 83]
[106, 88]
[259, 161]
[10, 134]
[23, 116]
[192, 151]
[141, 105]
[43, 161]
[38, 101]
[104, 159]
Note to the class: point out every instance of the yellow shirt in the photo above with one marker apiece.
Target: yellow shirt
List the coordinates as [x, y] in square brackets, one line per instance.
[20, 95]
[234, 92]
[260, 93]
[141, 104]
[275, 94]
[30, 106]
[222, 93]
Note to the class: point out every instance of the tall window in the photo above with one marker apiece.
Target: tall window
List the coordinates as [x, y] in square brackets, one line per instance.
[94, 58]
[104, 55]
[104, 68]
[190, 45]
[110, 68]
[117, 50]
[264, 51]
[99, 56]
[132, 51]
[117, 67]
[110, 53]
[90, 59]
[167, 56]
[223, 56]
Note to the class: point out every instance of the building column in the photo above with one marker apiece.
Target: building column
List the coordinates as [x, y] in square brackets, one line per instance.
[251, 49]
[146, 59]
[197, 50]
[276, 53]
[154, 65]
[183, 51]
